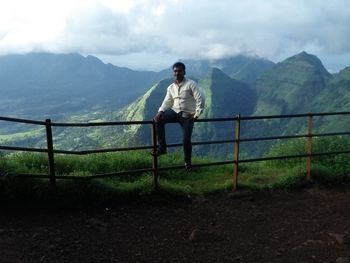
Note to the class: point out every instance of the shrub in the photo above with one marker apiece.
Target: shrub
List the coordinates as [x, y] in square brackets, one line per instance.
[320, 145]
[334, 166]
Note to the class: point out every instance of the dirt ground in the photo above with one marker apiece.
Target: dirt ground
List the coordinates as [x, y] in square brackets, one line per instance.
[309, 225]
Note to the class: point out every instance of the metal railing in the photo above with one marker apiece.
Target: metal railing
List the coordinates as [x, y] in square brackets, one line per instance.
[155, 169]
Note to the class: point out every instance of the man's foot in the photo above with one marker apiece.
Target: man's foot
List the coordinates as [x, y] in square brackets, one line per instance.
[158, 153]
[188, 167]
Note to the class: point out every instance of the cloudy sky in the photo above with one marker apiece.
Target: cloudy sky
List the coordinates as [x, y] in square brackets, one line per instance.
[152, 34]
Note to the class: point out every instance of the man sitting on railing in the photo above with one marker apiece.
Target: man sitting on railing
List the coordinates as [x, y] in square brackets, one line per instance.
[184, 102]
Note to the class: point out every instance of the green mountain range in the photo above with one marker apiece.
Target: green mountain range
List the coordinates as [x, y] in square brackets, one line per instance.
[85, 89]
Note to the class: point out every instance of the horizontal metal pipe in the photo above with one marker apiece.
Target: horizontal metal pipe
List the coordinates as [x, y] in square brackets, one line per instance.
[62, 124]
[102, 150]
[94, 176]
[22, 120]
[89, 124]
[25, 149]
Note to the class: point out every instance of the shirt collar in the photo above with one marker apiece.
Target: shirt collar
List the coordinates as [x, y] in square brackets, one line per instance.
[181, 83]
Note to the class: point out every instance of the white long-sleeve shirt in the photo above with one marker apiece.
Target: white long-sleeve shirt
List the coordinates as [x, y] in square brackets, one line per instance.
[186, 96]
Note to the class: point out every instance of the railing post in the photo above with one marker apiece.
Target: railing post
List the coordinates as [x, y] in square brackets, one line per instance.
[236, 153]
[51, 161]
[309, 148]
[155, 158]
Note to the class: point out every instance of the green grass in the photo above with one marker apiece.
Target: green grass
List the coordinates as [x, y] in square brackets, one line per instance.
[285, 174]
[329, 169]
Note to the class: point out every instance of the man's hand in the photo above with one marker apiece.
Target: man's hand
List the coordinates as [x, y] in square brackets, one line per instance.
[159, 116]
[193, 116]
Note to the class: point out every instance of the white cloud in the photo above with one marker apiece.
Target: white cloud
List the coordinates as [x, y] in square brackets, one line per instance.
[175, 28]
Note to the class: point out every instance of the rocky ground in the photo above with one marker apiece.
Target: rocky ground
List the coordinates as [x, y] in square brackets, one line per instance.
[310, 225]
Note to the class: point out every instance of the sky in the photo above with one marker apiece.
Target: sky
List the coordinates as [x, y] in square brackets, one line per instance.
[153, 34]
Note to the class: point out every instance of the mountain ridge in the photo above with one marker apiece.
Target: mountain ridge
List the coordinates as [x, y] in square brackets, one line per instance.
[297, 84]
[296, 80]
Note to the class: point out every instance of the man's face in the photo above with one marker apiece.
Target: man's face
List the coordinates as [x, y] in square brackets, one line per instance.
[178, 73]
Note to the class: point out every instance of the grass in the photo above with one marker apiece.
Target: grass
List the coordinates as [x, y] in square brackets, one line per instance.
[256, 176]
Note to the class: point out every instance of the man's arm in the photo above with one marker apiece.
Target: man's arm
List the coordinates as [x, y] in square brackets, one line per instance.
[167, 103]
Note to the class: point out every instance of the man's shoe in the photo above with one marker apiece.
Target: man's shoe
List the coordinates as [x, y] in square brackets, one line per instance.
[188, 167]
[158, 153]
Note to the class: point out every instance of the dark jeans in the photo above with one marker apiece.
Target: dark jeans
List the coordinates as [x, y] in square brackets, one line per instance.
[170, 116]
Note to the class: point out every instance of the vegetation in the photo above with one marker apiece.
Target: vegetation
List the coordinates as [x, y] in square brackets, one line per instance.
[285, 174]
[327, 169]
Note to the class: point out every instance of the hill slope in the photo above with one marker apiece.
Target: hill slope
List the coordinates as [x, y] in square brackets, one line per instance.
[291, 85]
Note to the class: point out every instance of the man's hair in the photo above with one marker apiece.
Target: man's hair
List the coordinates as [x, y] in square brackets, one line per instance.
[179, 65]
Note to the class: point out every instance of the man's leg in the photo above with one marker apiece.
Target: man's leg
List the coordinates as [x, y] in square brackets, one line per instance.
[169, 116]
[187, 128]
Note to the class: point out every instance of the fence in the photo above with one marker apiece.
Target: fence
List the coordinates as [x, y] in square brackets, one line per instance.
[155, 169]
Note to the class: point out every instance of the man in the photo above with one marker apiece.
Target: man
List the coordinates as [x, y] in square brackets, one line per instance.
[184, 102]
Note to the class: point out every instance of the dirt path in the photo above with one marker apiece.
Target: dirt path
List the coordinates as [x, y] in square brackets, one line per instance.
[311, 225]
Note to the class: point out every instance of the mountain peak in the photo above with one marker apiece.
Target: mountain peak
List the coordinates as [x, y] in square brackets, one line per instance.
[216, 73]
[305, 57]
[292, 84]
[240, 67]
[94, 59]
[343, 74]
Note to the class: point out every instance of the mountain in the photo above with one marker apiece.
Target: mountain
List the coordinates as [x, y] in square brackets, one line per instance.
[240, 67]
[291, 85]
[337, 91]
[48, 85]
[299, 84]
[334, 98]
[226, 97]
